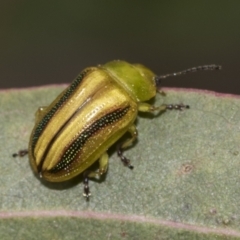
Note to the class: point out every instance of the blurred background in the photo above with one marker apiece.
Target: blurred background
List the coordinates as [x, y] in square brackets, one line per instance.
[48, 42]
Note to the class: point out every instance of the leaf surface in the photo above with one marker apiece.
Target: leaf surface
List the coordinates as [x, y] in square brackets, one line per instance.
[185, 182]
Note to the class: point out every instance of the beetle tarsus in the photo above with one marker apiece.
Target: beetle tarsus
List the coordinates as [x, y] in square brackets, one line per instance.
[125, 161]
[177, 107]
[86, 190]
[21, 153]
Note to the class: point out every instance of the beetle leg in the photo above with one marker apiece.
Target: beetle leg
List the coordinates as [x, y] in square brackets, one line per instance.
[86, 192]
[21, 153]
[145, 107]
[133, 131]
[103, 165]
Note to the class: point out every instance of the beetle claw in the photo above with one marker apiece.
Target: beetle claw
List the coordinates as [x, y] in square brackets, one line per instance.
[131, 167]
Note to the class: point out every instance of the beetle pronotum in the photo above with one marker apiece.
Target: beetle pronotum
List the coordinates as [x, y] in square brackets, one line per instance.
[97, 109]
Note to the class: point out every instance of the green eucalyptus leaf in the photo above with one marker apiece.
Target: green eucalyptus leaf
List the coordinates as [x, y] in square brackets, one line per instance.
[185, 182]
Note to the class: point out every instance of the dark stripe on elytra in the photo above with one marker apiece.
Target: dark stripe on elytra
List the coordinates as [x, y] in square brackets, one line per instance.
[45, 120]
[71, 153]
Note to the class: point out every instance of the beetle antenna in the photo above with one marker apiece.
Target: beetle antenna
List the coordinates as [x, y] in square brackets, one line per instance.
[190, 70]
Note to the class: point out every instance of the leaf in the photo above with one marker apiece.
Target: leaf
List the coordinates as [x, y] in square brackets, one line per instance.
[185, 184]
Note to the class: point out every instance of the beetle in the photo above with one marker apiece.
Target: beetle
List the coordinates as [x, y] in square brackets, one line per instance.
[95, 111]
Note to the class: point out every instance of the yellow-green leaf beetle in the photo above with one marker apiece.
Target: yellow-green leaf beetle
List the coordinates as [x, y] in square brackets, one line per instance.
[97, 109]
